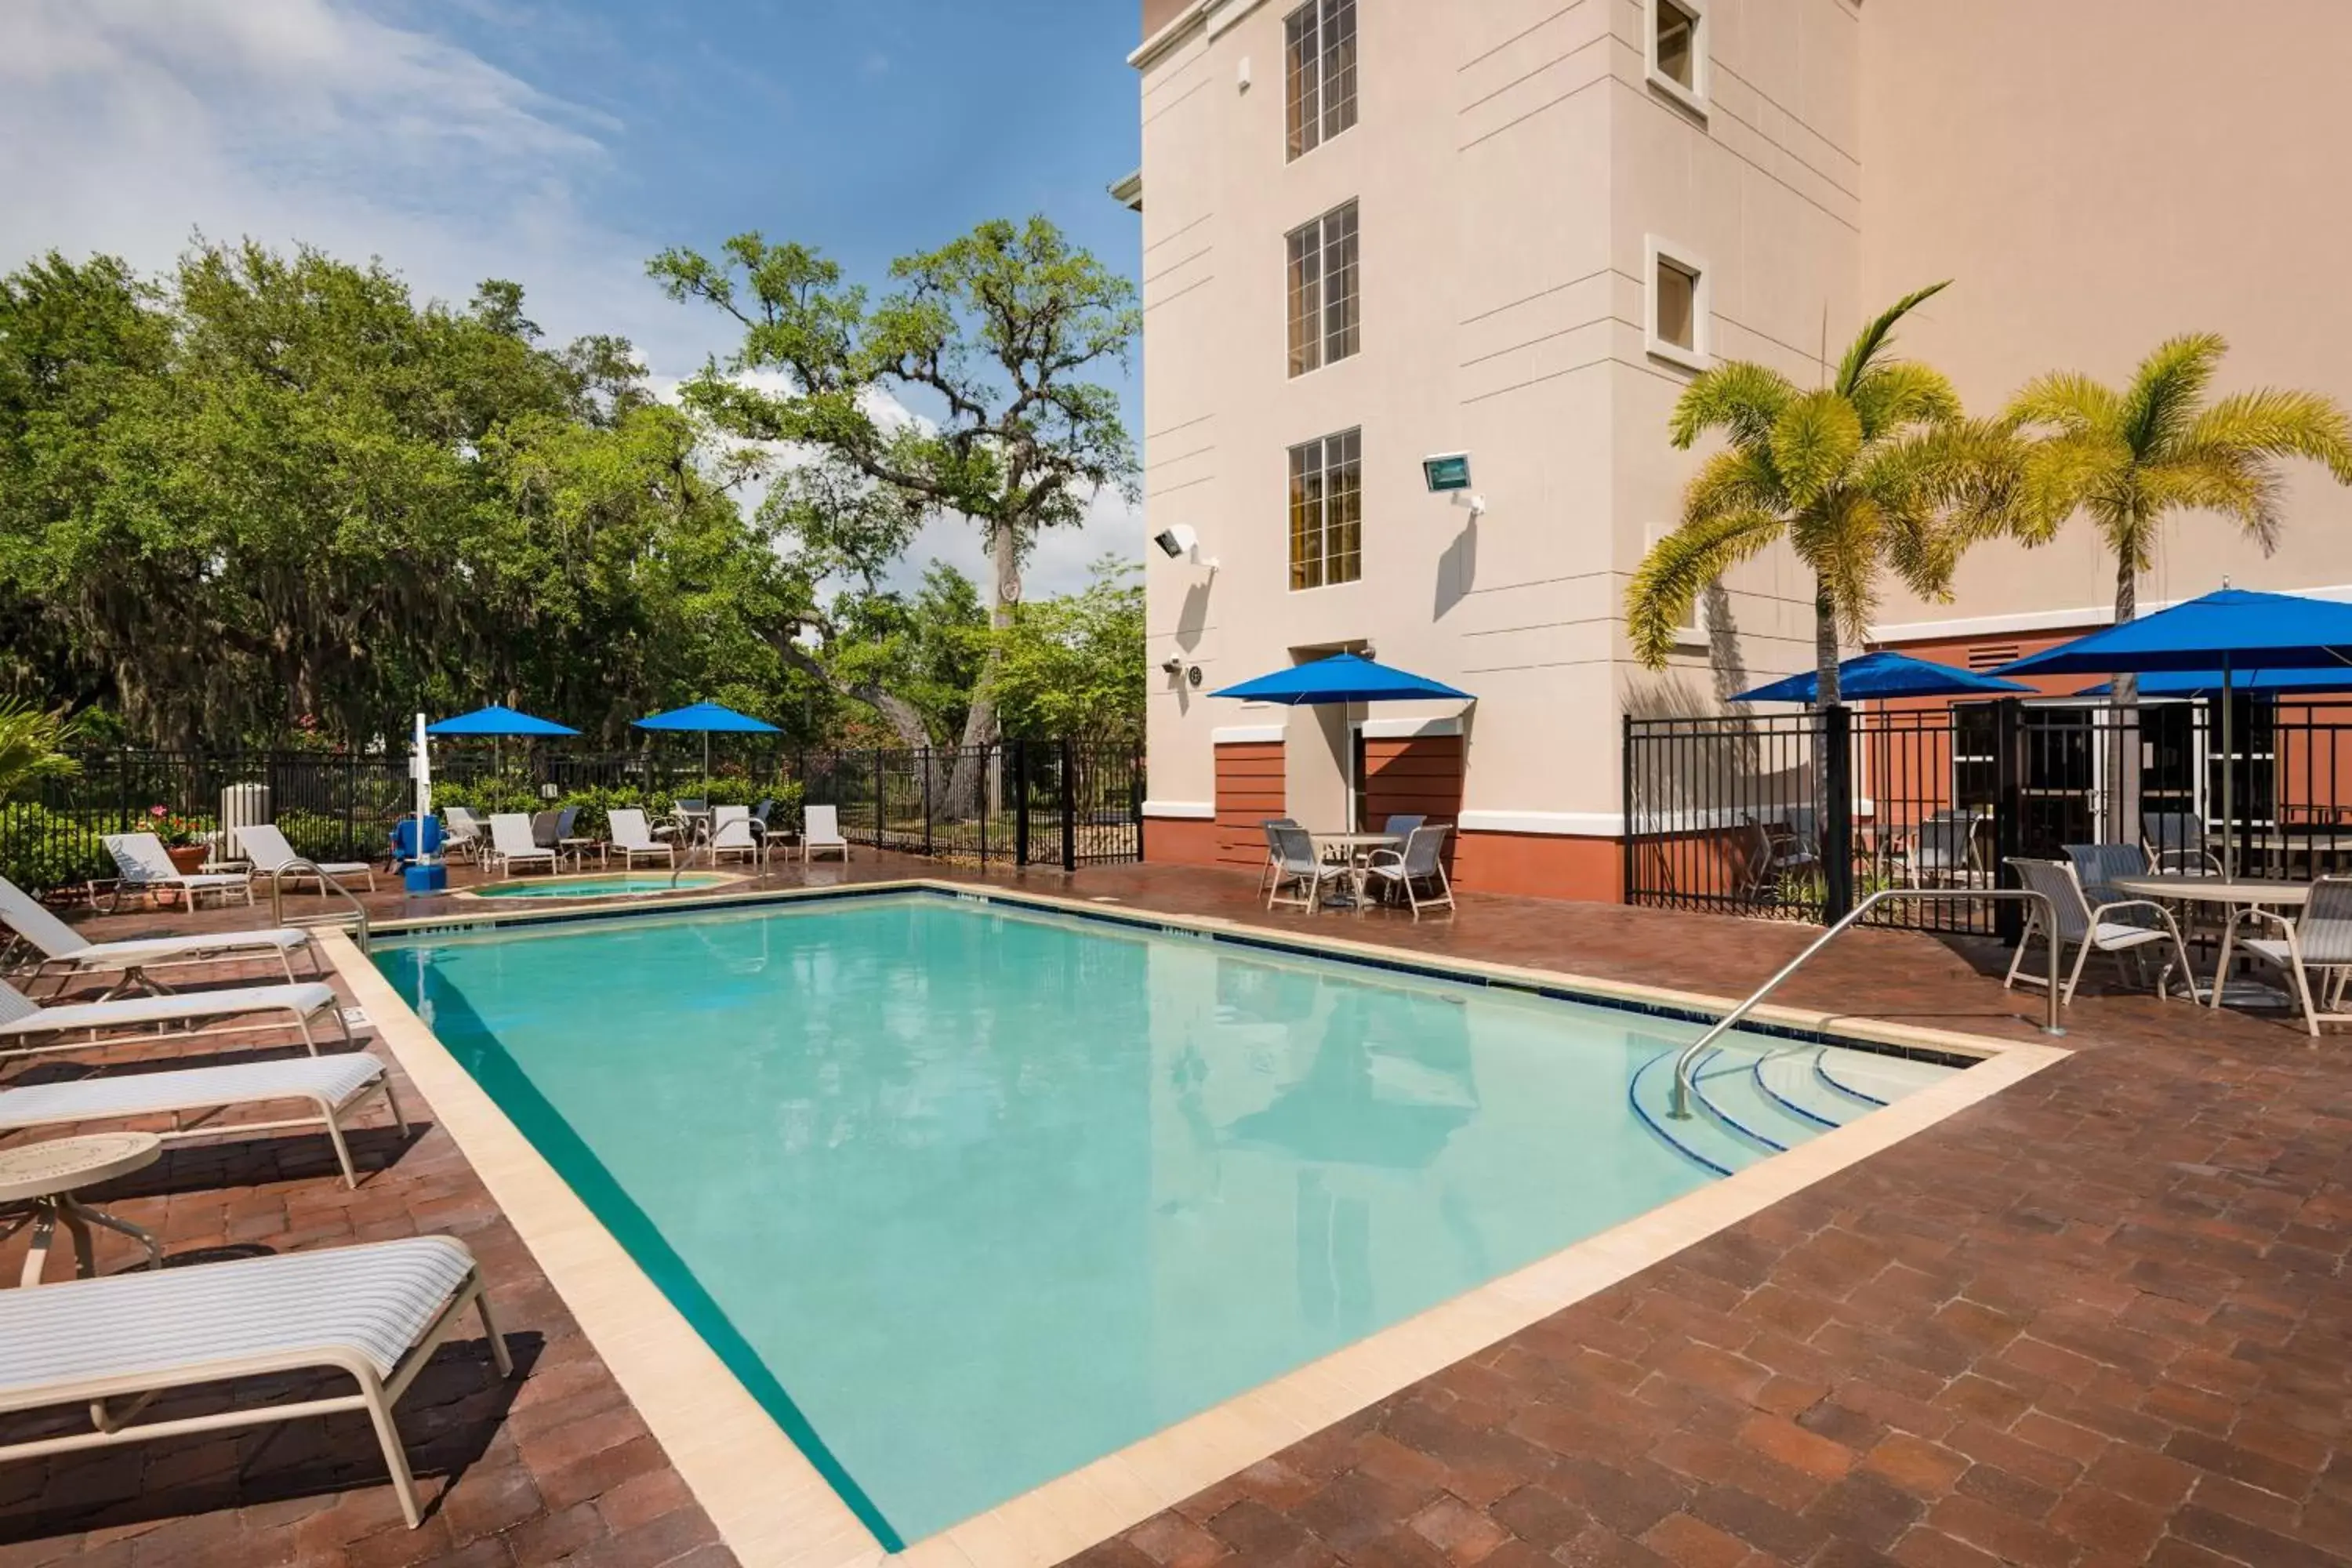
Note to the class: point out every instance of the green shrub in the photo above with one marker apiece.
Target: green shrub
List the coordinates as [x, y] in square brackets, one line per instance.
[41, 848]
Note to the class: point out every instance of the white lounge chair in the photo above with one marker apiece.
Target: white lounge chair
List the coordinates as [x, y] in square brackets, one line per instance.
[272, 855]
[821, 833]
[626, 831]
[375, 1311]
[27, 1026]
[2320, 939]
[467, 834]
[1418, 871]
[511, 845]
[1296, 864]
[336, 1085]
[2091, 930]
[63, 948]
[731, 833]
[142, 864]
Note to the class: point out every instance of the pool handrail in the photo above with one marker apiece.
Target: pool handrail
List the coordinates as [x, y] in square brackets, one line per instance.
[304, 867]
[1679, 1109]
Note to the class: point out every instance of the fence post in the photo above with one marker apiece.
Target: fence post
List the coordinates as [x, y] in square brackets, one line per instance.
[2009, 810]
[1625, 822]
[879, 754]
[1837, 810]
[1070, 808]
[927, 802]
[351, 802]
[983, 799]
[1135, 782]
[1020, 803]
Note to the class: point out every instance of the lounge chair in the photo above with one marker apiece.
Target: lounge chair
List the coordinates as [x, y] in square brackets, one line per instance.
[2090, 928]
[2320, 939]
[337, 1085]
[376, 1311]
[627, 832]
[272, 855]
[1297, 864]
[467, 835]
[820, 831]
[1943, 851]
[731, 833]
[2176, 842]
[1414, 868]
[142, 864]
[26, 1027]
[66, 948]
[510, 843]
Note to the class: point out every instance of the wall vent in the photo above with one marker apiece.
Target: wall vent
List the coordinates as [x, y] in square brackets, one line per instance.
[1985, 656]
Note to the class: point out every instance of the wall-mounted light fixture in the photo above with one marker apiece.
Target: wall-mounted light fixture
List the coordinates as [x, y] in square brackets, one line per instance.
[1180, 542]
[1448, 474]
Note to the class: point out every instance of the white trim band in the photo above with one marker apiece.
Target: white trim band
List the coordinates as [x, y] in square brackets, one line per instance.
[1246, 735]
[1181, 810]
[1561, 823]
[1409, 729]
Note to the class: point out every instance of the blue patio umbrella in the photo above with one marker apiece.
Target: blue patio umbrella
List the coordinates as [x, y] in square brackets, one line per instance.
[1341, 677]
[2235, 631]
[709, 719]
[497, 722]
[2208, 682]
[1884, 675]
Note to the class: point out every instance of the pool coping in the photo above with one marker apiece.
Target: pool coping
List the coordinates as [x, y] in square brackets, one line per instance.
[769, 1503]
[475, 894]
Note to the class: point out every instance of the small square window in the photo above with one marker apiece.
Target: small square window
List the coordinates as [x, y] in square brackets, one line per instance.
[1677, 51]
[1676, 328]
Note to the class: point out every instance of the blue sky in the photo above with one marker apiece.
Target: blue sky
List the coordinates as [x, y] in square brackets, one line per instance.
[561, 144]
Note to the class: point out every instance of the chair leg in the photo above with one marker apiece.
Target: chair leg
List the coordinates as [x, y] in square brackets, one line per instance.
[2075, 978]
[395, 1457]
[2303, 995]
[2222, 964]
[2024, 939]
[342, 1150]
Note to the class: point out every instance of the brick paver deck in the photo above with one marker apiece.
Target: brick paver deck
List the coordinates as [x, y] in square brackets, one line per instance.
[2102, 1317]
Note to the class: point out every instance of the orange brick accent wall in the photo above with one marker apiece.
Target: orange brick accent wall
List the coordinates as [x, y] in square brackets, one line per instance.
[1421, 775]
[1541, 865]
[1249, 790]
[1179, 841]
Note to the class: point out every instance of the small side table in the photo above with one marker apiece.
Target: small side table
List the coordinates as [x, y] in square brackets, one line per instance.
[576, 849]
[41, 1178]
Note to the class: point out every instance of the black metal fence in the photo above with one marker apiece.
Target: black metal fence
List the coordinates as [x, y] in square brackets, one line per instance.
[1029, 803]
[1795, 816]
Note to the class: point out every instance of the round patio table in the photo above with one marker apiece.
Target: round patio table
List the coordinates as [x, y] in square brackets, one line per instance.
[1353, 847]
[2229, 894]
[43, 1177]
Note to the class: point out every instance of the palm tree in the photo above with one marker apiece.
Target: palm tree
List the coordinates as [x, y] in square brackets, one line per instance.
[32, 748]
[1855, 476]
[2127, 458]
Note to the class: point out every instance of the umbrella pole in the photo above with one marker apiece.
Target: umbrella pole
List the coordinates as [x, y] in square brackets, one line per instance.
[2229, 816]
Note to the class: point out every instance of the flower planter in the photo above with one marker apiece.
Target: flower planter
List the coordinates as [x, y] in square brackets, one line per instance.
[187, 858]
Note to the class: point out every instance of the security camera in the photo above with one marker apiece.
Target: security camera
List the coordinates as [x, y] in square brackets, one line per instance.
[1180, 542]
[1172, 665]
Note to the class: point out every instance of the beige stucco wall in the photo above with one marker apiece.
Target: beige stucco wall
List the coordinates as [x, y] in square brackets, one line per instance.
[2097, 176]
[1509, 162]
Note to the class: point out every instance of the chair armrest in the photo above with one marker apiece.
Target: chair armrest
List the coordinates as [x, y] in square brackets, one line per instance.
[1374, 858]
[2276, 919]
[2100, 912]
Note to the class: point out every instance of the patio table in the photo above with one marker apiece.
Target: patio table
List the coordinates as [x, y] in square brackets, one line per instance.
[2229, 894]
[42, 1178]
[1354, 848]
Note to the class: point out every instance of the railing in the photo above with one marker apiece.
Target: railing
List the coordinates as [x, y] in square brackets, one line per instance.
[326, 884]
[1687, 1063]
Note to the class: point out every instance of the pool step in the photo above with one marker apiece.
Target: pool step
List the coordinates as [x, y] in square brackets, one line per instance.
[1705, 1138]
[1750, 1102]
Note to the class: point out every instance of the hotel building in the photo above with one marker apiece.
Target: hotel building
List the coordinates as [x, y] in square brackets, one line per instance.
[1376, 231]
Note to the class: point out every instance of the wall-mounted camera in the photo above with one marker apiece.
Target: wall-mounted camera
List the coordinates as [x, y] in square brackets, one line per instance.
[1180, 542]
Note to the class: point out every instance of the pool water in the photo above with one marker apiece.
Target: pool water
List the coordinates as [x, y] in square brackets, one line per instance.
[970, 1196]
[616, 885]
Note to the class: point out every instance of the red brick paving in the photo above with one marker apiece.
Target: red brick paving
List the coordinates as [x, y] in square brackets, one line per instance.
[2100, 1318]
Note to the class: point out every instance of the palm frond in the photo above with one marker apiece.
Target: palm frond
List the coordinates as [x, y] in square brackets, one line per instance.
[1814, 441]
[1738, 478]
[1880, 332]
[1938, 491]
[1679, 569]
[1841, 542]
[1741, 398]
[2277, 423]
[2061, 474]
[2067, 400]
[2238, 484]
[2161, 404]
[1890, 397]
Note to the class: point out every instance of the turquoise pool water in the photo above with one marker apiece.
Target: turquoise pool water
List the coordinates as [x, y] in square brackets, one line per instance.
[616, 885]
[970, 1197]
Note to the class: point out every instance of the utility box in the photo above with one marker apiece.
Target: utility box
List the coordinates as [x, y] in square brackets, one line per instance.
[242, 805]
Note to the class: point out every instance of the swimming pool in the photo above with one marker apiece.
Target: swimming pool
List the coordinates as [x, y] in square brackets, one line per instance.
[612, 885]
[968, 1196]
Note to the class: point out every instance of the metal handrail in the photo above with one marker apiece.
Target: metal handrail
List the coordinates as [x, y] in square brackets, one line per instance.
[326, 883]
[1686, 1065]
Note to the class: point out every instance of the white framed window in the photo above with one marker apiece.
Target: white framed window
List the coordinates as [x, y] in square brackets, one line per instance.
[1319, 71]
[1676, 318]
[1322, 279]
[1326, 511]
[1675, 50]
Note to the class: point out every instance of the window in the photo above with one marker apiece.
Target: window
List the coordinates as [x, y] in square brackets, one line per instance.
[1675, 282]
[1677, 51]
[1319, 57]
[1323, 324]
[1326, 511]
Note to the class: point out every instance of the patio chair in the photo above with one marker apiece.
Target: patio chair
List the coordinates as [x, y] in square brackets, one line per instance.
[1407, 870]
[2090, 928]
[375, 1312]
[2098, 866]
[1403, 826]
[1775, 851]
[62, 947]
[1298, 864]
[820, 831]
[467, 835]
[1273, 850]
[760, 814]
[510, 843]
[731, 833]
[1943, 851]
[25, 1025]
[547, 828]
[2176, 842]
[142, 864]
[625, 831]
[335, 1085]
[270, 853]
[2321, 940]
